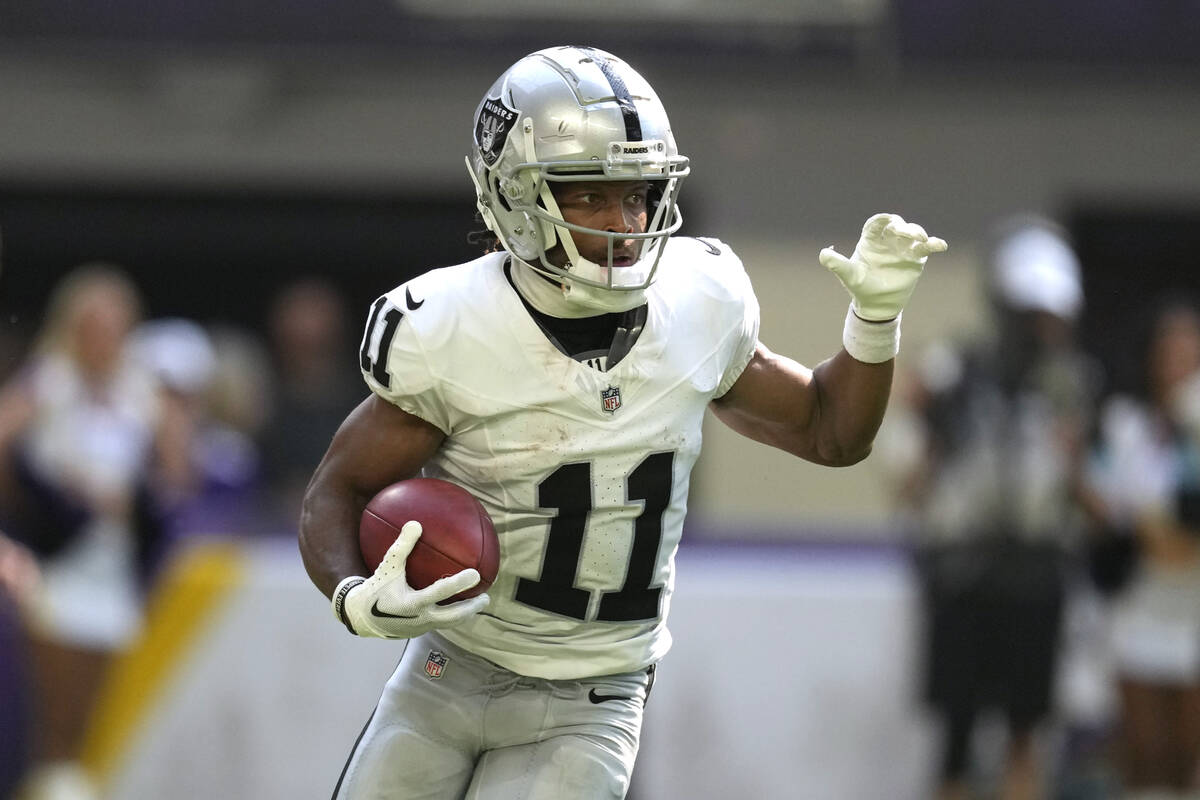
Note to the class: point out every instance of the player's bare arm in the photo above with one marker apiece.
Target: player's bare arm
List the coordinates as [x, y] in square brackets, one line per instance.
[377, 445]
[828, 415]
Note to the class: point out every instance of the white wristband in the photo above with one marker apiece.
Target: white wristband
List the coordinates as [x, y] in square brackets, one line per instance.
[871, 342]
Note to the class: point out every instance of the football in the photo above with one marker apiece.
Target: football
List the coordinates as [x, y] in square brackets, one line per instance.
[457, 532]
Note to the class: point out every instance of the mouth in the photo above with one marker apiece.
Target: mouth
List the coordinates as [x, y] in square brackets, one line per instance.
[621, 257]
[618, 259]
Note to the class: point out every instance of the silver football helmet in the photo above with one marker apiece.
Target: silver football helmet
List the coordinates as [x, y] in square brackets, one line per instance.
[575, 114]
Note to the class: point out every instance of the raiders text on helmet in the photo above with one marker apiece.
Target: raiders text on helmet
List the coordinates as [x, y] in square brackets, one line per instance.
[575, 114]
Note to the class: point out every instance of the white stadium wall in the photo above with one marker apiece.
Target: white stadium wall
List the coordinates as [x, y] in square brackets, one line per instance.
[791, 677]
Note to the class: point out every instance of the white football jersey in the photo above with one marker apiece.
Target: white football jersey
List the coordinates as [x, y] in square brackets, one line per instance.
[584, 472]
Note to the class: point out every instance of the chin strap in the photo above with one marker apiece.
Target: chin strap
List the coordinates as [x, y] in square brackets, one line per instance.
[542, 292]
[603, 300]
[567, 300]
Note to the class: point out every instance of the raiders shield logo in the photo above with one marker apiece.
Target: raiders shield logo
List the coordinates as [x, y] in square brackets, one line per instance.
[491, 129]
[435, 664]
[610, 398]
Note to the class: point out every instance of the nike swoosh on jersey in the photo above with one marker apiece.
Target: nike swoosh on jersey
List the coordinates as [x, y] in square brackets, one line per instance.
[375, 612]
[412, 304]
[601, 698]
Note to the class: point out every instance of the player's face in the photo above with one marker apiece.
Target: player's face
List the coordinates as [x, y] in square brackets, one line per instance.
[606, 206]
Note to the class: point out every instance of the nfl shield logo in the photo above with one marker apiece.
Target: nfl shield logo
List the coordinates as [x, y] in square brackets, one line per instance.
[435, 664]
[611, 398]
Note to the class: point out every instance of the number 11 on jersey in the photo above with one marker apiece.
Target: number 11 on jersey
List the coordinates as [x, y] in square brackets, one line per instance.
[568, 491]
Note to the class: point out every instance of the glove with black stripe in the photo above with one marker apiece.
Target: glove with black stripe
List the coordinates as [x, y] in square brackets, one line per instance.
[385, 606]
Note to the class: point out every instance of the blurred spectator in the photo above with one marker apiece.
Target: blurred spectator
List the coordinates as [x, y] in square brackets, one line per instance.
[316, 384]
[996, 442]
[179, 355]
[228, 456]
[217, 381]
[81, 436]
[1146, 474]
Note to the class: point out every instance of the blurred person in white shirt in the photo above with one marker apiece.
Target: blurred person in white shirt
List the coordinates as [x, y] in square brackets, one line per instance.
[82, 439]
[1145, 473]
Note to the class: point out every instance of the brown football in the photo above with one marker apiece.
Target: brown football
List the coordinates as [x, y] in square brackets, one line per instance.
[457, 532]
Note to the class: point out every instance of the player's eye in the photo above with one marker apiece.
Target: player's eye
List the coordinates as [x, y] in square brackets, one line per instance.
[583, 199]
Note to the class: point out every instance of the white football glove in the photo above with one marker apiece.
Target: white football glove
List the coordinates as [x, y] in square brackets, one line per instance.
[882, 273]
[385, 606]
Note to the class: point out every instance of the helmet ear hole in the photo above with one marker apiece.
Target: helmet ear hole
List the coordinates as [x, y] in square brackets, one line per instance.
[494, 184]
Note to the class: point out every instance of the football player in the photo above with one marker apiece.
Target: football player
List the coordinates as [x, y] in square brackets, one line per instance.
[563, 378]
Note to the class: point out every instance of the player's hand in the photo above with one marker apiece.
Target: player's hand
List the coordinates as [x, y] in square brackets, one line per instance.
[883, 271]
[385, 606]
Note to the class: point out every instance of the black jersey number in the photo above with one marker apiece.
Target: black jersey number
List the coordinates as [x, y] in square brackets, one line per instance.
[568, 491]
[390, 320]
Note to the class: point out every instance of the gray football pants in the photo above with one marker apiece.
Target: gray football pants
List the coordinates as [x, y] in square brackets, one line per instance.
[467, 728]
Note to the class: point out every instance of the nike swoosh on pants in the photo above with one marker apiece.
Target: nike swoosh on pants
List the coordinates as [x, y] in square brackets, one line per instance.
[600, 698]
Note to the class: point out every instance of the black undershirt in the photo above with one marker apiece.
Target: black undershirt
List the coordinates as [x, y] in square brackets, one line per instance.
[600, 341]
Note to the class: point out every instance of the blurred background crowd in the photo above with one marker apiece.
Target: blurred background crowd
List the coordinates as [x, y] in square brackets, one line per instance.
[197, 205]
[123, 438]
